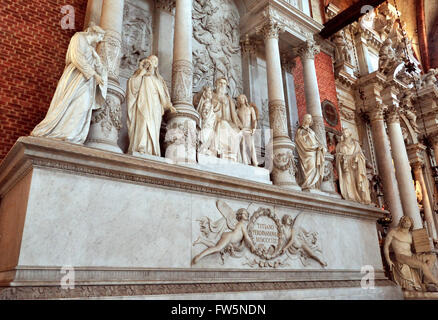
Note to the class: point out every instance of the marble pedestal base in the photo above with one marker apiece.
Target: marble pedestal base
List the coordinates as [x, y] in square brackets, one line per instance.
[129, 227]
[232, 168]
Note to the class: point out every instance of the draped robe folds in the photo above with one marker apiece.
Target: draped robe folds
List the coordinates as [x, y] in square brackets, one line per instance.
[311, 158]
[76, 95]
[227, 137]
[351, 167]
[208, 123]
[147, 99]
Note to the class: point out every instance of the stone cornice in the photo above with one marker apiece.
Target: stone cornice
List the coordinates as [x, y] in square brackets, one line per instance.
[31, 152]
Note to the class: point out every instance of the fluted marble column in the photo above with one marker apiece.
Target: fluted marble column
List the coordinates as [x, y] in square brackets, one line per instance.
[307, 53]
[283, 172]
[384, 162]
[107, 122]
[402, 167]
[181, 127]
[428, 214]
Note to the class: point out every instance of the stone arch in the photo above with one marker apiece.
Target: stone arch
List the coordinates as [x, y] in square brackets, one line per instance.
[410, 135]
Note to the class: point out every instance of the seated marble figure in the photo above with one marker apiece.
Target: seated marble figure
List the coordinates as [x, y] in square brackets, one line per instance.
[410, 271]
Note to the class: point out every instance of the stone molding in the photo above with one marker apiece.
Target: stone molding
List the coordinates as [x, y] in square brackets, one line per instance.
[49, 154]
[81, 292]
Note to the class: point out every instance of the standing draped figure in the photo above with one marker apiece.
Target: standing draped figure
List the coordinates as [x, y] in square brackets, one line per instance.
[311, 154]
[147, 100]
[227, 137]
[81, 89]
[208, 123]
[351, 167]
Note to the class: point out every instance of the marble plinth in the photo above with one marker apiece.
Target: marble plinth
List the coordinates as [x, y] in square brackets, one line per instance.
[131, 223]
[232, 168]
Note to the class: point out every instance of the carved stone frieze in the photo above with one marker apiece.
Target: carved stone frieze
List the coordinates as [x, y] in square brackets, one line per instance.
[263, 235]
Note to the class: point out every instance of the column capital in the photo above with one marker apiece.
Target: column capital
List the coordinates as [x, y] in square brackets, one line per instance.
[287, 62]
[308, 50]
[165, 5]
[270, 29]
[392, 114]
[248, 46]
[377, 112]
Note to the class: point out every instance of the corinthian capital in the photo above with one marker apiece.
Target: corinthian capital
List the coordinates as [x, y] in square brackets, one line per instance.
[377, 112]
[248, 46]
[392, 114]
[308, 50]
[270, 29]
[165, 5]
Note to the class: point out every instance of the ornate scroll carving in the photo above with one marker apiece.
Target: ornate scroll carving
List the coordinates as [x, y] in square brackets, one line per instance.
[248, 47]
[137, 37]
[182, 82]
[309, 50]
[216, 45]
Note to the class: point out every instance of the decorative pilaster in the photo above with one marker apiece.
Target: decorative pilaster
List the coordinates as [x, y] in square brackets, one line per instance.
[249, 59]
[283, 173]
[401, 160]
[417, 163]
[106, 122]
[376, 115]
[181, 127]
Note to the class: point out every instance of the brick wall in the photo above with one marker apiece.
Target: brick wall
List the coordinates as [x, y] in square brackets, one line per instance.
[32, 54]
[326, 84]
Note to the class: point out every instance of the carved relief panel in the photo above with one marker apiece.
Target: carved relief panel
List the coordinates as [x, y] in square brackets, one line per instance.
[216, 44]
[136, 36]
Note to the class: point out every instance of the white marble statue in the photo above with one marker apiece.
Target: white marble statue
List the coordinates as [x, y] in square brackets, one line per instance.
[311, 153]
[351, 167]
[147, 99]
[81, 89]
[227, 135]
[408, 269]
[207, 123]
[247, 114]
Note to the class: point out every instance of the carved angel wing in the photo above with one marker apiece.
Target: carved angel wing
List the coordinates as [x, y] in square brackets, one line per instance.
[227, 213]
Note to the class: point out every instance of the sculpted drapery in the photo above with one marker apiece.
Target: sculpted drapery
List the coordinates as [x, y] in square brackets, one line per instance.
[147, 100]
[311, 154]
[227, 123]
[81, 89]
[351, 166]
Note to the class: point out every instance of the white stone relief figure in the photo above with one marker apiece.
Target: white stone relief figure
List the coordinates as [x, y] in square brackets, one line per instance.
[352, 171]
[311, 153]
[236, 238]
[387, 56]
[227, 137]
[408, 269]
[430, 78]
[81, 89]
[147, 100]
[208, 123]
[342, 52]
[301, 242]
[247, 114]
